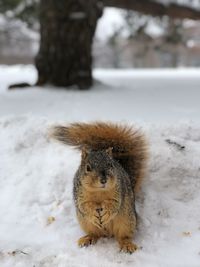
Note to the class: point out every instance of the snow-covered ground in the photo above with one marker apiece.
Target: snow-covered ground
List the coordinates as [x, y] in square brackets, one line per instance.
[138, 96]
[38, 226]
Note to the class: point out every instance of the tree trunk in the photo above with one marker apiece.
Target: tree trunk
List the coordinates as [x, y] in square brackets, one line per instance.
[67, 31]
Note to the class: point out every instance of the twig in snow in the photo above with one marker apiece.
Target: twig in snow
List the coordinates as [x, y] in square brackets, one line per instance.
[14, 252]
[178, 146]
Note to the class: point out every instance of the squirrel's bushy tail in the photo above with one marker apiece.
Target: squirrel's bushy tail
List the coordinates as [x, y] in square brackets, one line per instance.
[128, 145]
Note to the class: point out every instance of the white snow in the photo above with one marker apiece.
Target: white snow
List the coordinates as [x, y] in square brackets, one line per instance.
[36, 174]
[162, 96]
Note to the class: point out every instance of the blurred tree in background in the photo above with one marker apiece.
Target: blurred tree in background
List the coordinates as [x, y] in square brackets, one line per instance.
[9, 5]
[67, 29]
[25, 10]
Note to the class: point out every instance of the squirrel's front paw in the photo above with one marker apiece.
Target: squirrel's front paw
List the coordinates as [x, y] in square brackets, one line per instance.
[96, 221]
[104, 216]
[95, 217]
[100, 217]
[106, 213]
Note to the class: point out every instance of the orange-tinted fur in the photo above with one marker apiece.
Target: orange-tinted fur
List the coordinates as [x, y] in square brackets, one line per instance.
[125, 141]
[120, 225]
[118, 154]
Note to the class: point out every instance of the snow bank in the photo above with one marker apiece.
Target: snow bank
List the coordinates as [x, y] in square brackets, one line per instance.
[38, 225]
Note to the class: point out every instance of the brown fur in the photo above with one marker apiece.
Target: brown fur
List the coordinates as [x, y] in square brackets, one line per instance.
[107, 210]
[121, 224]
[129, 146]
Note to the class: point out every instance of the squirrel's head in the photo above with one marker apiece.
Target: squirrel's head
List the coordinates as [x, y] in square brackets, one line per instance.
[98, 170]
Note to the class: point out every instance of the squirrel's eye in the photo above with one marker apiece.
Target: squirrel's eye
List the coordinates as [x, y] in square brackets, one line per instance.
[88, 168]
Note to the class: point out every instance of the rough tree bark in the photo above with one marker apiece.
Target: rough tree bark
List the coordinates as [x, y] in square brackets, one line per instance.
[67, 30]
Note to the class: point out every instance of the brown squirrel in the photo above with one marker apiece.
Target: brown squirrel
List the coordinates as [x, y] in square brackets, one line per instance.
[112, 166]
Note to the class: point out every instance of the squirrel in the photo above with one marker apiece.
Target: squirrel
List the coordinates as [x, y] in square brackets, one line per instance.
[113, 160]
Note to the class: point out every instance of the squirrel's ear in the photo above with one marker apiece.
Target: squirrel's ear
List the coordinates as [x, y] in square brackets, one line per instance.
[109, 151]
[84, 152]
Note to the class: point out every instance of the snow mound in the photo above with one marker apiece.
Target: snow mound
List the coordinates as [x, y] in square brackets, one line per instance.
[38, 225]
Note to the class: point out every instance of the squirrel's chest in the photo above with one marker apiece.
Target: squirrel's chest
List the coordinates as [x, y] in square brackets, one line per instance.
[97, 197]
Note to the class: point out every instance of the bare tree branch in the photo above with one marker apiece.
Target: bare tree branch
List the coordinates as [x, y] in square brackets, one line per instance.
[150, 7]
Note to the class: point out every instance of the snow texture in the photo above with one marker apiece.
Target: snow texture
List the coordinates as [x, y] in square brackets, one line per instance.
[38, 225]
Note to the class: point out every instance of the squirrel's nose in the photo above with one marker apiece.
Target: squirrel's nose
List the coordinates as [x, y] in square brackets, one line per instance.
[103, 180]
